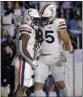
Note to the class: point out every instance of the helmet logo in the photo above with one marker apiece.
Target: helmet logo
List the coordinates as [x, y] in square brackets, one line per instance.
[51, 9]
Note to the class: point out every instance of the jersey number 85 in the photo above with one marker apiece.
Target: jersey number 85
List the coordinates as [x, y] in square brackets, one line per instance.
[48, 36]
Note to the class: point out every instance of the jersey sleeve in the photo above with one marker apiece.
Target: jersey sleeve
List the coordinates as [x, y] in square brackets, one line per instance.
[25, 29]
[62, 24]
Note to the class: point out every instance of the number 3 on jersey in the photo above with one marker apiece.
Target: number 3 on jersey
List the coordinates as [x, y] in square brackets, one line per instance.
[48, 36]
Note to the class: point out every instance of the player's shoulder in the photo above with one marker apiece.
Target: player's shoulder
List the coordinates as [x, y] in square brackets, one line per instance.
[26, 27]
[59, 21]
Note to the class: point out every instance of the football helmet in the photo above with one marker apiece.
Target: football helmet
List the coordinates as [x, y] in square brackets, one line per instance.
[48, 12]
[32, 17]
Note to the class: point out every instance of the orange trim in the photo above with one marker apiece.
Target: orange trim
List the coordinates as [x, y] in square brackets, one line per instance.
[25, 28]
[61, 22]
[52, 88]
[19, 70]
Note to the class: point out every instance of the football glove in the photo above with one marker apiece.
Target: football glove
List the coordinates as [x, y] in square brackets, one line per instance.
[37, 47]
[34, 64]
[64, 56]
[37, 50]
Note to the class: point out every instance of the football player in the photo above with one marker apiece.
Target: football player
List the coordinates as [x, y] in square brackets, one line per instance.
[52, 32]
[24, 60]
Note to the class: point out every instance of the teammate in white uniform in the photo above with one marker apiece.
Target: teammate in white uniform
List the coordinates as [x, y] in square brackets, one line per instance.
[52, 31]
[24, 60]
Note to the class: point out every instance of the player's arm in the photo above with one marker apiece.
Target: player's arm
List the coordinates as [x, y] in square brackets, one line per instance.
[62, 32]
[26, 33]
[24, 38]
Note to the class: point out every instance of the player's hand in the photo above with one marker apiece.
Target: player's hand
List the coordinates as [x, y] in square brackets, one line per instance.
[37, 50]
[64, 56]
[37, 47]
[34, 64]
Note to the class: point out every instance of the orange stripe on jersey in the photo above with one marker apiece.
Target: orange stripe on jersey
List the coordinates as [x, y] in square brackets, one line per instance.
[62, 22]
[19, 70]
[25, 28]
[52, 88]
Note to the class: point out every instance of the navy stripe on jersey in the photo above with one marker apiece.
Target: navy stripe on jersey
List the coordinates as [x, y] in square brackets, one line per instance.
[23, 68]
[25, 31]
[62, 25]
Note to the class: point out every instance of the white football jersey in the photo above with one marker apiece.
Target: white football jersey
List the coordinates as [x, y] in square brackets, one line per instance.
[30, 31]
[51, 42]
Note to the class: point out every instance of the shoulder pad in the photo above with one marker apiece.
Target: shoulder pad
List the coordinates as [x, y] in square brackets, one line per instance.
[25, 28]
[61, 23]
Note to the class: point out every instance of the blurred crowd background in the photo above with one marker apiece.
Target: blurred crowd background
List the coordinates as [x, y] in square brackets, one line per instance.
[12, 16]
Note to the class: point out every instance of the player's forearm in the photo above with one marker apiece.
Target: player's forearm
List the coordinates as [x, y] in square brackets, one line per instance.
[68, 46]
[25, 54]
[26, 58]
